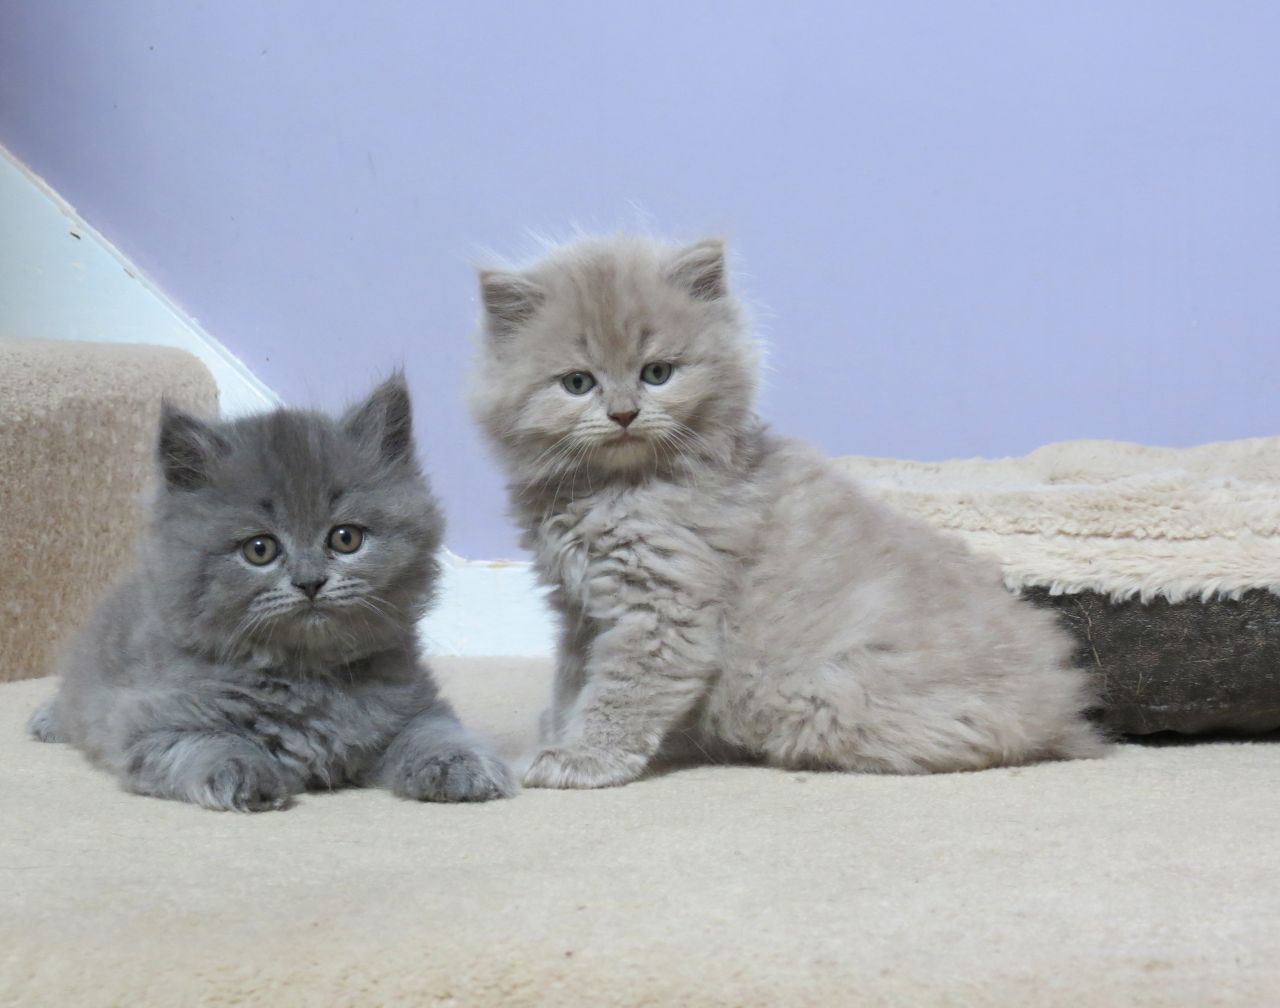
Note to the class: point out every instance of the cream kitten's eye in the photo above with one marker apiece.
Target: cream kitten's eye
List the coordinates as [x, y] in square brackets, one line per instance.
[346, 538]
[656, 373]
[260, 550]
[578, 382]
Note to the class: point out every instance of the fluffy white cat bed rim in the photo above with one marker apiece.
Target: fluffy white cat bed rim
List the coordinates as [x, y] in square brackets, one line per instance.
[1119, 519]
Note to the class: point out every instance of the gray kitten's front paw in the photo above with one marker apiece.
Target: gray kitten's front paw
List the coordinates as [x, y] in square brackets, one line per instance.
[244, 785]
[570, 767]
[43, 724]
[457, 775]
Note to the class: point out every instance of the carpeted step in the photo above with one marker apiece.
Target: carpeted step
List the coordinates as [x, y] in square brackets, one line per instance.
[77, 440]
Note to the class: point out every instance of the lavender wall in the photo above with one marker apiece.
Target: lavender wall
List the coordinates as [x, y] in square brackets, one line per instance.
[972, 227]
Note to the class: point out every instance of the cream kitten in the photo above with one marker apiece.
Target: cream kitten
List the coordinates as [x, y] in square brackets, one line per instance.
[717, 584]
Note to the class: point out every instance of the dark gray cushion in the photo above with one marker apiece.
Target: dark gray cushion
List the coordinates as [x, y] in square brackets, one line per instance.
[1188, 667]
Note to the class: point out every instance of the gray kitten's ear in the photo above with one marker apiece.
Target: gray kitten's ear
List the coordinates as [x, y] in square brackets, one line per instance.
[384, 421]
[509, 301]
[700, 269]
[187, 448]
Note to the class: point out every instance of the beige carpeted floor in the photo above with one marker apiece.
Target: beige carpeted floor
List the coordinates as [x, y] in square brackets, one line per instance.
[1148, 878]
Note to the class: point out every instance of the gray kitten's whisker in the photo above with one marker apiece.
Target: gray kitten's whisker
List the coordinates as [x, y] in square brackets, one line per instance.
[248, 625]
[380, 613]
[384, 603]
[233, 641]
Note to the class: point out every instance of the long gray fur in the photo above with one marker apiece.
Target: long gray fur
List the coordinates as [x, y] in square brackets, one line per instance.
[207, 679]
[722, 589]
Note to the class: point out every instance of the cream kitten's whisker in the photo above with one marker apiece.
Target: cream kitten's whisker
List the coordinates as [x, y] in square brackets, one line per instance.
[679, 458]
[670, 450]
[551, 450]
[561, 462]
[579, 451]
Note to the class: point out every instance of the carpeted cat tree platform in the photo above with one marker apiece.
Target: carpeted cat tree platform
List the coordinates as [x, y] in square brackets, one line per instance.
[77, 449]
[1145, 878]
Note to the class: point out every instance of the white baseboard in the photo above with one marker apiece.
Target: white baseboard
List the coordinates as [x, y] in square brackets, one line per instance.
[60, 279]
[489, 608]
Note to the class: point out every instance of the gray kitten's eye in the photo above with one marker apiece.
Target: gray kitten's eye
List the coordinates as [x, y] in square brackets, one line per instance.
[346, 538]
[260, 550]
[578, 382]
[656, 373]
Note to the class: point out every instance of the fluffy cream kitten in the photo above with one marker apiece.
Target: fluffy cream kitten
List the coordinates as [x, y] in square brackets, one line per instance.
[719, 585]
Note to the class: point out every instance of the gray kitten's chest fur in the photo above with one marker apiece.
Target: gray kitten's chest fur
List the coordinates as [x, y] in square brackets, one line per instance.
[326, 723]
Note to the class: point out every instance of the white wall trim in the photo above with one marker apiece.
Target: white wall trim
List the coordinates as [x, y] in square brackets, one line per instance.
[60, 278]
[489, 607]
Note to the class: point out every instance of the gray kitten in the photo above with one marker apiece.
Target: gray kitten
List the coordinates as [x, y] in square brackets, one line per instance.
[718, 585]
[264, 642]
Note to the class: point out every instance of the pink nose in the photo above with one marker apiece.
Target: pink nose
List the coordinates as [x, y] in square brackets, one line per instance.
[623, 420]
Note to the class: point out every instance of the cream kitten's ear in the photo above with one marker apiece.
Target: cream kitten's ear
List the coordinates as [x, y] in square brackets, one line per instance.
[700, 269]
[509, 301]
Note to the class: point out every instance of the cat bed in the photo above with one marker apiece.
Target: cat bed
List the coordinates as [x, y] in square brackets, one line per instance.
[1163, 563]
[77, 439]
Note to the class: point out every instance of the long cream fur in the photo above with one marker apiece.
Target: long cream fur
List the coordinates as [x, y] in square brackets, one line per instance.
[719, 585]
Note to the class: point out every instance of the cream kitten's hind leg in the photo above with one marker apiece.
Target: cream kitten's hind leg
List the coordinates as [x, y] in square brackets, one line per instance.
[854, 713]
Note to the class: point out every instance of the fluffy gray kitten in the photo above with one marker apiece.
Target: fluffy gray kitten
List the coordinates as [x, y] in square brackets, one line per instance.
[264, 643]
[718, 585]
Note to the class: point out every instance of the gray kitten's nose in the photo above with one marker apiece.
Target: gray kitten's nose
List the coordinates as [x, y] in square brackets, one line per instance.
[311, 588]
[623, 420]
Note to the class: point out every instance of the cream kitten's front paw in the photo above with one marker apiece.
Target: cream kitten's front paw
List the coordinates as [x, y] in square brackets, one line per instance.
[566, 767]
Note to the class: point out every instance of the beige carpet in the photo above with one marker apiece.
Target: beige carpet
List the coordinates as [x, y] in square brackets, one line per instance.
[1148, 878]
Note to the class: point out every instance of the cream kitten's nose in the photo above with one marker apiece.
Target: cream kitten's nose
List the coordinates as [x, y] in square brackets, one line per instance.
[623, 420]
